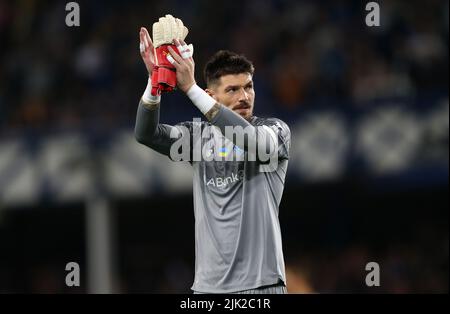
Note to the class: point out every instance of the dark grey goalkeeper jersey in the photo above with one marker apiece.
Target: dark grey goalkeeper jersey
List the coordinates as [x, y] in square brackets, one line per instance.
[237, 232]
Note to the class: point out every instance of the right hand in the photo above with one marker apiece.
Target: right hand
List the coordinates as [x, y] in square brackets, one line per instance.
[147, 50]
[185, 68]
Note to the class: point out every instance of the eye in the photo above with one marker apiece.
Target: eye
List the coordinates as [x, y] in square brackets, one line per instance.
[249, 87]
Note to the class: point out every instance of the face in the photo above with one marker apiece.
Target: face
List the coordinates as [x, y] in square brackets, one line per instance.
[236, 92]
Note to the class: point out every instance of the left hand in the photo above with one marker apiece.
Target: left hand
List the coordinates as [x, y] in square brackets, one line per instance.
[146, 49]
[185, 68]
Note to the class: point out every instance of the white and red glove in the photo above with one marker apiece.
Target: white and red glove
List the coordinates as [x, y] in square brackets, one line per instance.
[165, 31]
[157, 58]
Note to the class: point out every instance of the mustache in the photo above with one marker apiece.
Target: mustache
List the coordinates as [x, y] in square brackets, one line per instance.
[242, 105]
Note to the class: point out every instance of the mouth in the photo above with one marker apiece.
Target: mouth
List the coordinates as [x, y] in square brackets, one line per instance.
[242, 111]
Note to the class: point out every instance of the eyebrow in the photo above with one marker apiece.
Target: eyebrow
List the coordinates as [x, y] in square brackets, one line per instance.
[237, 86]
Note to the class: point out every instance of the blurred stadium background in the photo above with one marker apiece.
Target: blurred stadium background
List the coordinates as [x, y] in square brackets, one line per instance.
[369, 114]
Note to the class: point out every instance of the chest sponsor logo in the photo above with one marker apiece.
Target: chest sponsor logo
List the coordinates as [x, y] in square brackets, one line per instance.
[222, 182]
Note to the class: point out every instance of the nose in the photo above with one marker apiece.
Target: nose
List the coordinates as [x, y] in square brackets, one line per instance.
[243, 95]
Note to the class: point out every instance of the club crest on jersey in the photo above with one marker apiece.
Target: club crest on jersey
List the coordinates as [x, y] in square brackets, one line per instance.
[237, 150]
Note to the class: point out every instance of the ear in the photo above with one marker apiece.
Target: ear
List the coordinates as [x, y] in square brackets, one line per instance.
[211, 93]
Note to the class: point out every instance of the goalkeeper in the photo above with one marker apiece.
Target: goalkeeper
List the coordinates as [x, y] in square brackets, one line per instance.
[238, 241]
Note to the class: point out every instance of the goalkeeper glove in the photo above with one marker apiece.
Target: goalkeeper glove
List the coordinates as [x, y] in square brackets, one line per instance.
[165, 31]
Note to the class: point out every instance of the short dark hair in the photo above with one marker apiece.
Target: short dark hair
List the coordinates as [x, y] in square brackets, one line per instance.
[226, 62]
